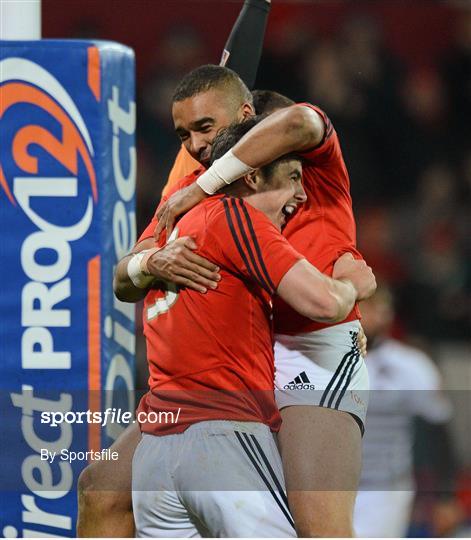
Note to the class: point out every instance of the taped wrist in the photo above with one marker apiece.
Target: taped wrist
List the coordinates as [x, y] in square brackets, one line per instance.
[222, 172]
[137, 268]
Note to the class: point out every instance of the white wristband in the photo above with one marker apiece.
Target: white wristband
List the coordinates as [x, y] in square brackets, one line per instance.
[140, 279]
[223, 171]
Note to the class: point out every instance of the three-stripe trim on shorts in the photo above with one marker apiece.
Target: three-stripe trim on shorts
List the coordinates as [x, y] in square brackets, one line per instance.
[255, 453]
[344, 372]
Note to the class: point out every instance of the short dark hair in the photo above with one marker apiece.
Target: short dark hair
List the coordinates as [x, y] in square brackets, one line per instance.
[230, 136]
[267, 101]
[210, 76]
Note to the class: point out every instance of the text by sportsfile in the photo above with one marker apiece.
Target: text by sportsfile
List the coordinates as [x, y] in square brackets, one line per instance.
[111, 415]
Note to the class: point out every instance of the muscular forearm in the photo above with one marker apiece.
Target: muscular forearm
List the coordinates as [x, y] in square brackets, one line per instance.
[293, 129]
[175, 263]
[328, 300]
[316, 295]
[123, 287]
[344, 296]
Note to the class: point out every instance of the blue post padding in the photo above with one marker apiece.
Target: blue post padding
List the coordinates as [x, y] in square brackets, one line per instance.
[67, 186]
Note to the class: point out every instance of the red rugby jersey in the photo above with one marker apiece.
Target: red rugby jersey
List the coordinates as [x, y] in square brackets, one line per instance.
[169, 190]
[324, 227]
[211, 355]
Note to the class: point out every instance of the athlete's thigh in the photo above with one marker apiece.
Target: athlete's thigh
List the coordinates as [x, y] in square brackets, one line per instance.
[115, 475]
[382, 513]
[322, 391]
[321, 453]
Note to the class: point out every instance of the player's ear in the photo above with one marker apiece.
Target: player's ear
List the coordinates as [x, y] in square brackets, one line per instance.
[252, 180]
[246, 111]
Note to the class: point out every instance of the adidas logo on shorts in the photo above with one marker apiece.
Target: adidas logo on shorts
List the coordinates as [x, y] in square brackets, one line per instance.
[301, 382]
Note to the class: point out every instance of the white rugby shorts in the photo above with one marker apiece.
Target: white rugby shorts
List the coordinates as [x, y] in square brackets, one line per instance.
[323, 368]
[216, 479]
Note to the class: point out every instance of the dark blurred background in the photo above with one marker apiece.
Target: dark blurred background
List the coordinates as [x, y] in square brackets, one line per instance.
[395, 78]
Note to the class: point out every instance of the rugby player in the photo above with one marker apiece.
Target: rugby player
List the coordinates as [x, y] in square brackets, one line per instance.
[322, 425]
[332, 436]
[198, 474]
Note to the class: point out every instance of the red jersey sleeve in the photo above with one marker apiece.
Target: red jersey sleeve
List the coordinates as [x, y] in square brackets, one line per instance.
[328, 147]
[184, 182]
[250, 245]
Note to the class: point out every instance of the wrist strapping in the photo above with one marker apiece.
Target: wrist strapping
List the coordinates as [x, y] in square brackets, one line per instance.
[137, 268]
[222, 172]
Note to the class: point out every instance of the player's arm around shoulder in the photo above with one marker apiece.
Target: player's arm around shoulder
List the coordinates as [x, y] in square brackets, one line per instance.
[326, 299]
[305, 125]
[293, 129]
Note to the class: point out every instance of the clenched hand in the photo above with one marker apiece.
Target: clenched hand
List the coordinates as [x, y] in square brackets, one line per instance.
[356, 271]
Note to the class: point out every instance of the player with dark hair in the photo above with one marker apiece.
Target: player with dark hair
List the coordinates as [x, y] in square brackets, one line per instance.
[267, 101]
[321, 378]
[233, 92]
[329, 373]
[198, 119]
[311, 495]
[322, 504]
[230, 100]
[217, 379]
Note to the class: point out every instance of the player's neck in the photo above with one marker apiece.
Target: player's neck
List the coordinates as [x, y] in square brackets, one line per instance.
[259, 201]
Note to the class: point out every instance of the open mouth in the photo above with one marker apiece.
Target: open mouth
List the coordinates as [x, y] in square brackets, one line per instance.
[289, 209]
[286, 212]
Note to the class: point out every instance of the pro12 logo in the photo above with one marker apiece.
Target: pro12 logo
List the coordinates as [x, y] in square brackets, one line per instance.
[43, 137]
[35, 93]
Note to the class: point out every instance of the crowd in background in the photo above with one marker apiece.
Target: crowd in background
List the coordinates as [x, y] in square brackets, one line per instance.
[405, 138]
